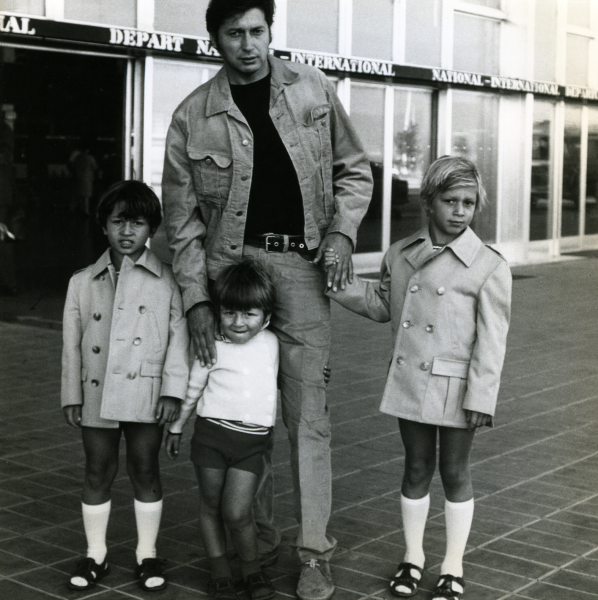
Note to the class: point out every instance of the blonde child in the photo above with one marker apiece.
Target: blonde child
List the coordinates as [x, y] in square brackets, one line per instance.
[448, 297]
[235, 401]
[124, 371]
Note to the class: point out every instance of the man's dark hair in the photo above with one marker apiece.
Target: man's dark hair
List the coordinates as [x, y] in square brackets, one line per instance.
[219, 11]
[138, 198]
[244, 286]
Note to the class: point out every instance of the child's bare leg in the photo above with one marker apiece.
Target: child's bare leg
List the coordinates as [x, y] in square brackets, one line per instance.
[143, 466]
[455, 449]
[211, 526]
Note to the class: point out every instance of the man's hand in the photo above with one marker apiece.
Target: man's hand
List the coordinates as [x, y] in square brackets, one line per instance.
[476, 419]
[167, 410]
[203, 333]
[172, 445]
[342, 271]
[72, 415]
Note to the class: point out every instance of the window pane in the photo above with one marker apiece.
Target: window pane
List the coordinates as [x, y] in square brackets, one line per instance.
[578, 12]
[411, 159]
[422, 32]
[592, 173]
[541, 204]
[109, 12]
[545, 41]
[571, 166]
[475, 137]
[28, 7]
[367, 115]
[487, 3]
[372, 29]
[476, 44]
[313, 25]
[578, 48]
[187, 17]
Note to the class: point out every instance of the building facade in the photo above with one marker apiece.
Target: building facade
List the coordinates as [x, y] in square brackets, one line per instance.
[509, 84]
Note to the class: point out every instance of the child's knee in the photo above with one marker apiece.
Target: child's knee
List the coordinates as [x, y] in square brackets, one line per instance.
[143, 473]
[100, 475]
[420, 470]
[237, 519]
[454, 476]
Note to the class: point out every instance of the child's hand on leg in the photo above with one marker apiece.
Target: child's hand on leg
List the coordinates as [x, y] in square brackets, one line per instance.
[72, 414]
[476, 419]
[167, 410]
[172, 445]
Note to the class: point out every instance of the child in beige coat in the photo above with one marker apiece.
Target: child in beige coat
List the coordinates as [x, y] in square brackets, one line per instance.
[448, 297]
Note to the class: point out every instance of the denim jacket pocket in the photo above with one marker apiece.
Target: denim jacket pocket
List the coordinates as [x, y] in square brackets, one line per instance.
[212, 174]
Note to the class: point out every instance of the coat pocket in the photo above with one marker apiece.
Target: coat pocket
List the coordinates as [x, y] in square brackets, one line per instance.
[455, 372]
[212, 174]
[150, 384]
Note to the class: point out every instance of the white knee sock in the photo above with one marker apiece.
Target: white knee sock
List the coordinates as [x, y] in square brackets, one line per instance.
[415, 514]
[459, 516]
[95, 522]
[147, 516]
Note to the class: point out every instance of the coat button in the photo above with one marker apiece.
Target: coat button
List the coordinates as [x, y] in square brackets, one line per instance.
[430, 328]
[136, 341]
[244, 177]
[96, 349]
[233, 246]
[95, 382]
[142, 309]
[406, 324]
[400, 360]
[245, 143]
[414, 288]
[208, 161]
[97, 316]
[131, 375]
[425, 366]
[440, 291]
[239, 213]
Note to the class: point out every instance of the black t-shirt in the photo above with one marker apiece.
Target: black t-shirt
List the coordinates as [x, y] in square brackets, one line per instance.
[275, 202]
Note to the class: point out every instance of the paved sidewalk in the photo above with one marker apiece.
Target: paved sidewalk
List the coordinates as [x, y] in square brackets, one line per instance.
[535, 530]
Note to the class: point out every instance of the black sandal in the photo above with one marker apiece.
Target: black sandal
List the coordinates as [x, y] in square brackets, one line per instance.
[222, 588]
[149, 568]
[405, 579]
[89, 570]
[445, 588]
[259, 586]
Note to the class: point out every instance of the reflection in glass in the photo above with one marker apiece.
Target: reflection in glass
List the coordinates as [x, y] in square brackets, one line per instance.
[372, 29]
[411, 159]
[313, 25]
[592, 172]
[540, 222]
[571, 172]
[476, 44]
[475, 123]
[367, 115]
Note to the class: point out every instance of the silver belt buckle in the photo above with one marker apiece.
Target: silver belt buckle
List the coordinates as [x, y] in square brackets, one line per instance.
[275, 241]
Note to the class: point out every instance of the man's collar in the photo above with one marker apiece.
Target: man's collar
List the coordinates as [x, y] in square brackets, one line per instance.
[148, 260]
[220, 98]
[419, 248]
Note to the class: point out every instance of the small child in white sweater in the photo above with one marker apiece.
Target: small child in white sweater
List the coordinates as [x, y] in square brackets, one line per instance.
[236, 409]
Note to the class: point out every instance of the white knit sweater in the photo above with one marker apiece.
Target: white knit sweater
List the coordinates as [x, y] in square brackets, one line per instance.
[241, 386]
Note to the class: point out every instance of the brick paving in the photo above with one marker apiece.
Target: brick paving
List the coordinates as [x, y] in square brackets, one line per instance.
[535, 530]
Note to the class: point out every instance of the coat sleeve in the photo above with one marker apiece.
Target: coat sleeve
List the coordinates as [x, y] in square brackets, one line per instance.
[365, 298]
[197, 383]
[492, 325]
[71, 391]
[184, 227]
[175, 373]
[352, 181]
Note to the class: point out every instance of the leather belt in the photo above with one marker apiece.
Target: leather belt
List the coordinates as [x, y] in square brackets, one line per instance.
[271, 242]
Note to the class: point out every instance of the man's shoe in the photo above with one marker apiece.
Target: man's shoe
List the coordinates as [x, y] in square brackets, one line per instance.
[315, 581]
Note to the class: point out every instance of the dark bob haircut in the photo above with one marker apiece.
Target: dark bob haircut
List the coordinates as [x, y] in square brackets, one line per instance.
[244, 286]
[220, 10]
[138, 198]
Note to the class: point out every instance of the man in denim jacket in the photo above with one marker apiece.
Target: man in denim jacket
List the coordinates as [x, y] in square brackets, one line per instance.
[266, 147]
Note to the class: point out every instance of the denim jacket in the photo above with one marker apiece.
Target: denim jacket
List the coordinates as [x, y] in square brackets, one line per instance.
[209, 161]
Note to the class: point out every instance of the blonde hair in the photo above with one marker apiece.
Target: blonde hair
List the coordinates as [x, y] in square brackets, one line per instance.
[449, 172]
